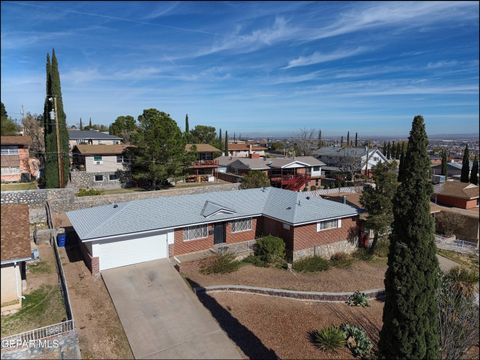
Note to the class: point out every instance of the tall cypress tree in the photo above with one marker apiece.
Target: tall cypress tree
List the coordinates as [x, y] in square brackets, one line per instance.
[356, 139]
[401, 167]
[474, 173]
[220, 137]
[90, 126]
[388, 154]
[384, 150]
[410, 315]
[187, 126]
[348, 138]
[81, 124]
[398, 150]
[320, 138]
[341, 141]
[465, 165]
[226, 143]
[444, 166]
[54, 90]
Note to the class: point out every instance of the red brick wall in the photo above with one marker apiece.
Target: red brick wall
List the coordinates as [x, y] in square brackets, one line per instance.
[455, 202]
[275, 228]
[181, 247]
[92, 262]
[306, 236]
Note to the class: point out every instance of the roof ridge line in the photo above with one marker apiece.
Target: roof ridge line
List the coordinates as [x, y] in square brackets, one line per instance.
[110, 217]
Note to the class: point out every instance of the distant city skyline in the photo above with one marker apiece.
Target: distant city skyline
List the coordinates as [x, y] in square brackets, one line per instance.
[252, 68]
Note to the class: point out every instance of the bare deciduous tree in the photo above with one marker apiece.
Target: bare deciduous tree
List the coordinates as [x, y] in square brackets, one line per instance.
[306, 142]
[449, 223]
[32, 126]
[458, 321]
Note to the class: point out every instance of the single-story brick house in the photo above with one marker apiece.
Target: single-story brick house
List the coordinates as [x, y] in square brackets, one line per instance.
[15, 251]
[137, 231]
[457, 194]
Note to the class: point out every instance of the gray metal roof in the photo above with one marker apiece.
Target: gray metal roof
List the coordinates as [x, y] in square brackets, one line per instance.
[179, 211]
[90, 134]
[251, 164]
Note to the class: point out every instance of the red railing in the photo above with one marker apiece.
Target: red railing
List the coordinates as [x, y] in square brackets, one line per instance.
[290, 182]
[205, 163]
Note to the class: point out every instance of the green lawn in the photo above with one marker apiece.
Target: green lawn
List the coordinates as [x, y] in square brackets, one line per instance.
[19, 186]
[41, 307]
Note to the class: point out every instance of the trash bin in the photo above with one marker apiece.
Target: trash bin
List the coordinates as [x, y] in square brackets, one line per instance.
[61, 240]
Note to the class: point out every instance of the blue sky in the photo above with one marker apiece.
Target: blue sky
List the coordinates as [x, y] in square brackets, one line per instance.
[251, 67]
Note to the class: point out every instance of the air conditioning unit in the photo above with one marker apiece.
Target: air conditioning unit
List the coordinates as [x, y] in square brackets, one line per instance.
[98, 162]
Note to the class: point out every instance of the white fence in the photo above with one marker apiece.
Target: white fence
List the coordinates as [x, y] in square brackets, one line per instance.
[32, 336]
[462, 246]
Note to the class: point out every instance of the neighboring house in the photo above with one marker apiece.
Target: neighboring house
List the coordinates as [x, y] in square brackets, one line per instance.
[100, 166]
[205, 166]
[454, 169]
[16, 164]
[456, 194]
[350, 158]
[245, 150]
[128, 233]
[16, 250]
[91, 137]
[295, 173]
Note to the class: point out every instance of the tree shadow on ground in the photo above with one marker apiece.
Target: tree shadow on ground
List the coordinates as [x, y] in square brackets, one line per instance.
[72, 246]
[246, 340]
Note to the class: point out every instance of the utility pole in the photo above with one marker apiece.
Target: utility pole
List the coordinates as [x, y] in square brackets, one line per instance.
[23, 120]
[57, 133]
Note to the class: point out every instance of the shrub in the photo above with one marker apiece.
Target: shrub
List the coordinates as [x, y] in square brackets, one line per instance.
[254, 260]
[357, 340]
[220, 264]
[313, 188]
[463, 280]
[362, 254]
[341, 260]
[89, 192]
[382, 248]
[358, 299]
[270, 250]
[329, 339]
[311, 264]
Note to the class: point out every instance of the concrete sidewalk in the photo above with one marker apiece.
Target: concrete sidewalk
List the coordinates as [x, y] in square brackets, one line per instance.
[162, 317]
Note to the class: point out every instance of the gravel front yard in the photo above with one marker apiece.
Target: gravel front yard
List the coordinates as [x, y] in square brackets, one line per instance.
[360, 276]
[265, 327]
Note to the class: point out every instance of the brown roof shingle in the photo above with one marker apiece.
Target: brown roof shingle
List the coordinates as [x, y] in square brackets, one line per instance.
[86, 149]
[15, 238]
[458, 189]
[202, 148]
[16, 140]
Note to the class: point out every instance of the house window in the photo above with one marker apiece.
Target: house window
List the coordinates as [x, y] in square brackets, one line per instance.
[98, 178]
[316, 168]
[9, 150]
[97, 158]
[329, 224]
[112, 177]
[241, 225]
[119, 159]
[195, 232]
[10, 170]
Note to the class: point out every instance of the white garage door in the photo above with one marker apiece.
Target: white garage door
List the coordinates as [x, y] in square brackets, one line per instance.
[133, 251]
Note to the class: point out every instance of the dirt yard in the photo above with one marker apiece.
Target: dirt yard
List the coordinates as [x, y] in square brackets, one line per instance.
[268, 327]
[100, 332]
[43, 304]
[361, 275]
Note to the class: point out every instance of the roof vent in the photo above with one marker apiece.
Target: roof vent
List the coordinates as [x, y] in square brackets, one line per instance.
[299, 203]
[308, 197]
[289, 208]
[115, 206]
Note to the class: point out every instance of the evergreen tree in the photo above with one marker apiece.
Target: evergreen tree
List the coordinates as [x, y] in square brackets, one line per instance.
[384, 150]
[320, 143]
[401, 167]
[255, 179]
[81, 124]
[356, 139]
[341, 141]
[124, 127]
[226, 143]
[187, 126]
[159, 152]
[8, 126]
[348, 138]
[474, 173]
[410, 315]
[234, 138]
[54, 91]
[220, 142]
[392, 150]
[387, 153]
[444, 170]
[90, 124]
[398, 150]
[378, 201]
[465, 165]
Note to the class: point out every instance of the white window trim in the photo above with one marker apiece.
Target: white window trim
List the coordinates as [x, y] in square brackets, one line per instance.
[95, 178]
[12, 170]
[339, 225]
[240, 231]
[197, 238]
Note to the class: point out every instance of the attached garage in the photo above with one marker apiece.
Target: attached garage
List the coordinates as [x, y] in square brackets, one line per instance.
[116, 253]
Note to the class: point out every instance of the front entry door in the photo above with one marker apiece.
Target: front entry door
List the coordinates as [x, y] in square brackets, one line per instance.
[219, 233]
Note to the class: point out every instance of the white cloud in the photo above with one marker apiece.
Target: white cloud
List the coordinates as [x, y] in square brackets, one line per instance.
[317, 57]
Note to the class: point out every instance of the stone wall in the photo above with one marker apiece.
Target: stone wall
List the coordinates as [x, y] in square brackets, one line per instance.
[326, 251]
[60, 205]
[37, 197]
[86, 180]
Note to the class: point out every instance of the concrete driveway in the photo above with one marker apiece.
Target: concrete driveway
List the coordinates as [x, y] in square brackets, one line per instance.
[162, 317]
